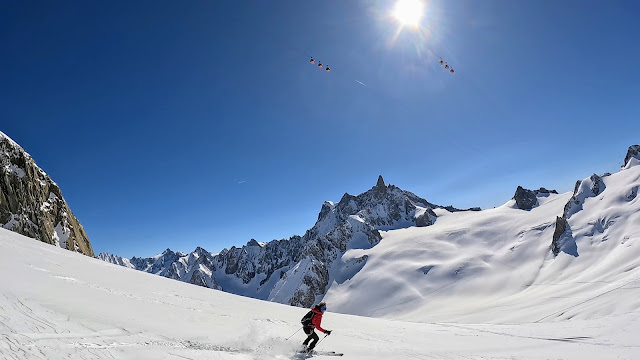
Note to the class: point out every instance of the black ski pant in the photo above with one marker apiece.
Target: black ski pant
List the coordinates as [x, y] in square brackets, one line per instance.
[311, 336]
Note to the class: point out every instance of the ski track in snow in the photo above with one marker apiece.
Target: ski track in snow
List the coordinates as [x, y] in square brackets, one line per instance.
[36, 333]
[31, 332]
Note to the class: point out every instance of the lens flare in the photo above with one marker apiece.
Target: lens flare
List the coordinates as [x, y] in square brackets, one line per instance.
[409, 12]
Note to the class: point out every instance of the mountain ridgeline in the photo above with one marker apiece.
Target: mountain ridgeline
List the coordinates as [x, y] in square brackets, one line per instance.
[302, 270]
[31, 204]
[298, 270]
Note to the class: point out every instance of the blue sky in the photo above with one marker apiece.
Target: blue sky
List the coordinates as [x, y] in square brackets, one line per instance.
[201, 123]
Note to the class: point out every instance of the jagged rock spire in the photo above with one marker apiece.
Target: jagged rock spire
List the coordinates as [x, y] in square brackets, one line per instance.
[380, 187]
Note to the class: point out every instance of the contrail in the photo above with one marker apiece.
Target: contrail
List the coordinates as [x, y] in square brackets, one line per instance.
[361, 83]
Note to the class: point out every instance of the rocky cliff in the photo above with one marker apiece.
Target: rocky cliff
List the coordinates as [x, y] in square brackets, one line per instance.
[633, 156]
[32, 204]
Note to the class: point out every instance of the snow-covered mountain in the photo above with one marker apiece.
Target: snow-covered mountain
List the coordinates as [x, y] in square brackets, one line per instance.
[565, 256]
[389, 241]
[298, 270]
[32, 204]
[473, 285]
[57, 304]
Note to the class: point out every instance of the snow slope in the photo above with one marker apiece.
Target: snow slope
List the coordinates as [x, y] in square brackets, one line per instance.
[56, 304]
[474, 285]
[496, 266]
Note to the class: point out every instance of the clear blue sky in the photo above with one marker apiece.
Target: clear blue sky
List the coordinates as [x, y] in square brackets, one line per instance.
[201, 123]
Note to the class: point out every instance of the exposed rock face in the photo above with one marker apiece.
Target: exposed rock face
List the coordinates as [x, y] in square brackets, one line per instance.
[31, 204]
[543, 191]
[528, 199]
[525, 199]
[632, 153]
[584, 189]
[561, 227]
[452, 209]
[299, 270]
[562, 237]
[427, 218]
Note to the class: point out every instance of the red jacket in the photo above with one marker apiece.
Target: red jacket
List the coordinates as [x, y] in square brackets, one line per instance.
[317, 319]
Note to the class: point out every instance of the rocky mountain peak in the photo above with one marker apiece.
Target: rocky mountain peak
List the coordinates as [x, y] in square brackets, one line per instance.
[380, 187]
[326, 209]
[632, 153]
[200, 251]
[253, 242]
[383, 207]
[31, 204]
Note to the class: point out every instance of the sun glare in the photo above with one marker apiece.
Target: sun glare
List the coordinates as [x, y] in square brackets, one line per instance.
[409, 12]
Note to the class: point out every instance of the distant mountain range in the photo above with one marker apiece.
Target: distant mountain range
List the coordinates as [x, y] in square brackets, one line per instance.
[384, 241]
[298, 270]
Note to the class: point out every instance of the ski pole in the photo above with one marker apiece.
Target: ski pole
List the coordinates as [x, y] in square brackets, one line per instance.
[325, 336]
[293, 334]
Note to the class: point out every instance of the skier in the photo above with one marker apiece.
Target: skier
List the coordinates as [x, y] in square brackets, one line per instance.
[312, 321]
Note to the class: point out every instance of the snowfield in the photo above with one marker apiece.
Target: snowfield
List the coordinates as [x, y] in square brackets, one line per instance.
[475, 285]
[56, 304]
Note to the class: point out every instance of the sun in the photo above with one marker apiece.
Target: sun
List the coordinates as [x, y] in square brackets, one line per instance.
[409, 12]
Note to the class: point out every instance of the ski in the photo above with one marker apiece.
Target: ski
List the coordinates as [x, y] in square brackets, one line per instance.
[326, 353]
[307, 355]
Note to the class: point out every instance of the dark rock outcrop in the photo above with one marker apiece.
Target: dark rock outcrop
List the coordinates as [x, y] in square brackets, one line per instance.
[593, 186]
[528, 199]
[426, 219]
[32, 204]
[632, 152]
[561, 227]
[543, 191]
[525, 199]
[452, 209]
[562, 237]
